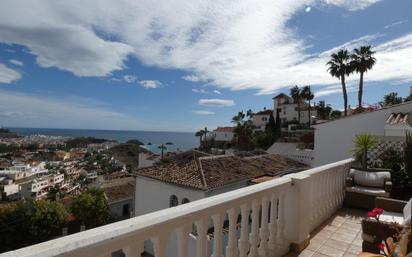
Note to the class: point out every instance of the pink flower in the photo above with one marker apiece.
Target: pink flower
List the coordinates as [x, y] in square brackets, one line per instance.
[372, 214]
[378, 211]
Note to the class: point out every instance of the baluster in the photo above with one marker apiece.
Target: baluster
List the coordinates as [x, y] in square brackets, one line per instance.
[254, 237]
[182, 237]
[264, 230]
[244, 230]
[273, 223]
[201, 239]
[281, 219]
[159, 244]
[217, 241]
[134, 250]
[231, 249]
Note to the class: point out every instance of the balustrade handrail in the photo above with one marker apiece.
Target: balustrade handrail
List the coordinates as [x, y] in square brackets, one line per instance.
[144, 227]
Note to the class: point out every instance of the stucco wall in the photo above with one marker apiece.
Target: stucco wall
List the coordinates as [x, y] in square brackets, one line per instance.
[333, 140]
[153, 195]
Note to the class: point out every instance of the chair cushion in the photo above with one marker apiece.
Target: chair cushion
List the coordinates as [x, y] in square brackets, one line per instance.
[368, 191]
[392, 217]
[407, 212]
[370, 178]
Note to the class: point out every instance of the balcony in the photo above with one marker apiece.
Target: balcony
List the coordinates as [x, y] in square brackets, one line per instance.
[280, 215]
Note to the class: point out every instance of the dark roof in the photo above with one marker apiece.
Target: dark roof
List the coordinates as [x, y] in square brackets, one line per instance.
[208, 172]
[264, 112]
[280, 95]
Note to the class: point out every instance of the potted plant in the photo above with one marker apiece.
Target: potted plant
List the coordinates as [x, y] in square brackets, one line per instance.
[363, 143]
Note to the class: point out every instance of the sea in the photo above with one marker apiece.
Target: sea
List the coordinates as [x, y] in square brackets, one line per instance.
[153, 139]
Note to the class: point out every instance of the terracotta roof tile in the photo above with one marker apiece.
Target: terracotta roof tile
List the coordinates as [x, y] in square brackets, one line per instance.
[207, 172]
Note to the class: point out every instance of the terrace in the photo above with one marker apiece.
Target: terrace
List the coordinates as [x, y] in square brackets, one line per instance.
[299, 212]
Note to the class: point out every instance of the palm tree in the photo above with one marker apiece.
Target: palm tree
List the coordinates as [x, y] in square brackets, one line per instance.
[244, 129]
[391, 99]
[339, 67]
[296, 94]
[363, 143]
[200, 135]
[308, 96]
[362, 61]
[162, 147]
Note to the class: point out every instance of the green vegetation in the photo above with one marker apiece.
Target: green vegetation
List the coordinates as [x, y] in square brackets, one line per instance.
[296, 94]
[243, 130]
[323, 110]
[91, 208]
[363, 142]
[391, 99]
[200, 134]
[135, 141]
[30, 222]
[82, 142]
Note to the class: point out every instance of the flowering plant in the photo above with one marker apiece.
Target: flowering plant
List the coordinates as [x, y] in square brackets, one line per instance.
[375, 213]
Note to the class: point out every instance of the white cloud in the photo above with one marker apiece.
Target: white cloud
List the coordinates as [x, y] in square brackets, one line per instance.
[394, 24]
[199, 91]
[352, 5]
[25, 110]
[129, 78]
[150, 84]
[8, 75]
[237, 45]
[16, 62]
[217, 92]
[216, 102]
[203, 112]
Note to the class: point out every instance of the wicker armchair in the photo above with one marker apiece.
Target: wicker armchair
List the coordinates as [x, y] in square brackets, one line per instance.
[362, 187]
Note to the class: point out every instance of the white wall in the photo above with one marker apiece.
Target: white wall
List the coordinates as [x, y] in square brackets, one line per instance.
[153, 195]
[290, 151]
[260, 121]
[223, 136]
[333, 140]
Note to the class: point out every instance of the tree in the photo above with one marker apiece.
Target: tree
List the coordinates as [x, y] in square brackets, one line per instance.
[30, 222]
[244, 129]
[339, 67]
[391, 99]
[363, 142]
[296, 94]
[362, 61]
[308, 96]
[278, 128]
[200, 135]
[336, 114]
[90, 208]
[323, 110]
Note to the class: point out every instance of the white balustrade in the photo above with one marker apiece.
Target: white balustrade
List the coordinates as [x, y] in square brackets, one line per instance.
[273, 215]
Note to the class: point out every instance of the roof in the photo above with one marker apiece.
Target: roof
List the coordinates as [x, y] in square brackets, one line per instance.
[264, 112]
[120, 189]
[225, 129]
[208, 172]
[398, 119]
[363, 113]
[280, 95]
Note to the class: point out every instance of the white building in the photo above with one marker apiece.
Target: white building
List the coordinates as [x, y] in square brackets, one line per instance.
[193, 175]
[261, 119]
[289, 109]
[222, 134]
[334, 139]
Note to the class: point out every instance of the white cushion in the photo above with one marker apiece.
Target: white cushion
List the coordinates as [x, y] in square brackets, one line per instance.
[392, 217]
[370, 178]
[407, 212]
[368, 191]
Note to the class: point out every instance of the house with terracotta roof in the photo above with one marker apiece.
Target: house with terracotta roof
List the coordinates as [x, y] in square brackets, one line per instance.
[261, 119]
[194, 175]
[333, 139]
[289, 109]
[222, 134]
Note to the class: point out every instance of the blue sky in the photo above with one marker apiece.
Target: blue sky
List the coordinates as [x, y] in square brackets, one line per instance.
[140, 65]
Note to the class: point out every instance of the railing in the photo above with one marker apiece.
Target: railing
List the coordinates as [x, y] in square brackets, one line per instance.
[263, 220]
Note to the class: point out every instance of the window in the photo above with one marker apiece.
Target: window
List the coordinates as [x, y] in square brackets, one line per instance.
[185, 200]
[173, 201]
